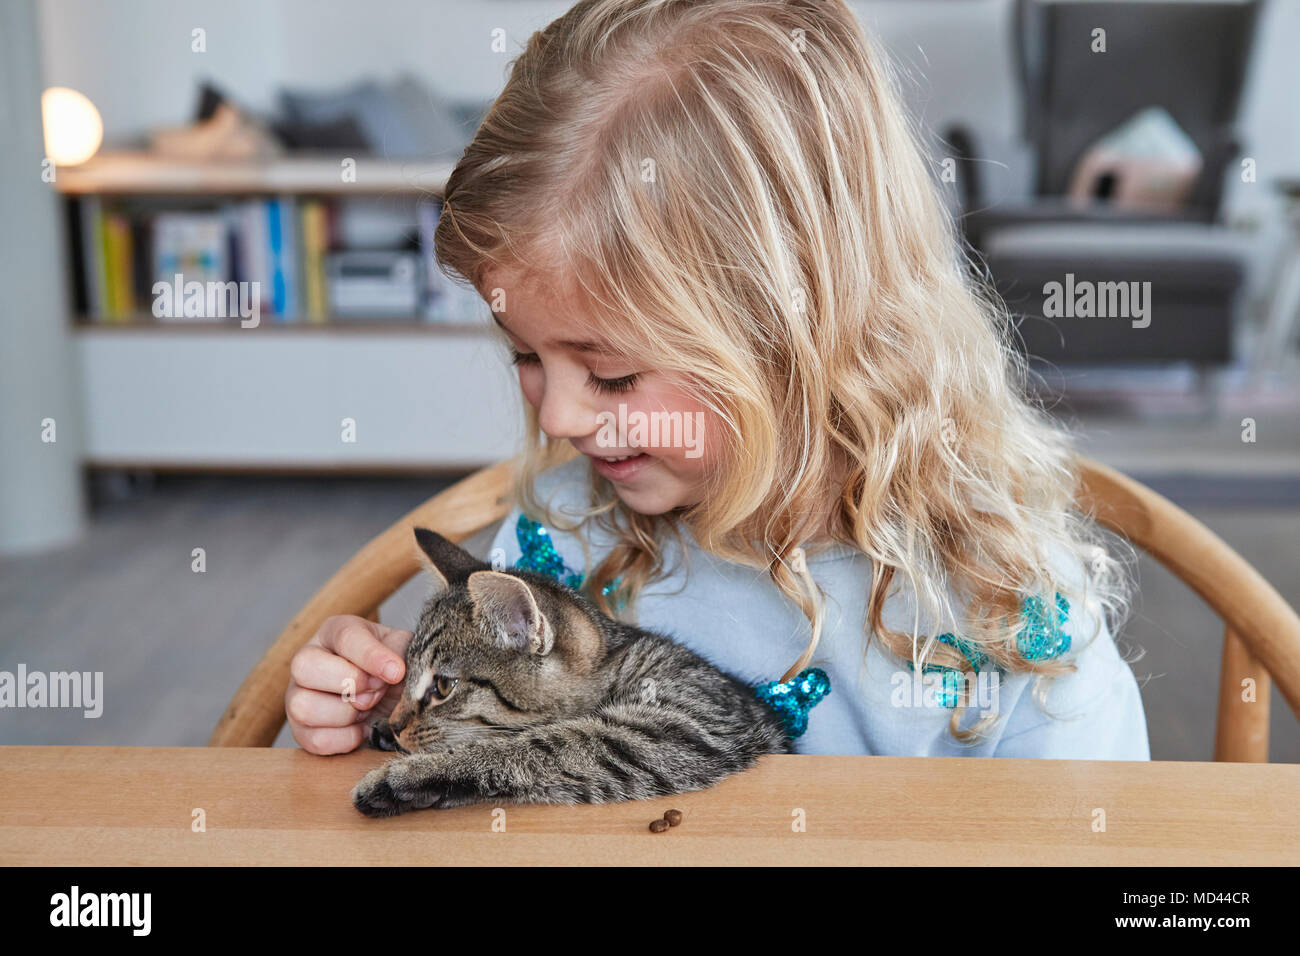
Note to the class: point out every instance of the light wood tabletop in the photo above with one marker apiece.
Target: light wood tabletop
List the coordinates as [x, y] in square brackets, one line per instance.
[135, 805]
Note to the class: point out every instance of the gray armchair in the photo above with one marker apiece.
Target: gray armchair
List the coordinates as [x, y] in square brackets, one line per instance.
[1190, 59]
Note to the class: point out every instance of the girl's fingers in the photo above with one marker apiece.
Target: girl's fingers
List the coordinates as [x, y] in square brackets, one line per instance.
[357, 639]
[395, 638]
[315, 668]
[330, 740]
[314, 708]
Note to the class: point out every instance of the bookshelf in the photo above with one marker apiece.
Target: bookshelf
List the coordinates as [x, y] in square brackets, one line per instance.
[140, 174]
[144, 321]
[426, 395]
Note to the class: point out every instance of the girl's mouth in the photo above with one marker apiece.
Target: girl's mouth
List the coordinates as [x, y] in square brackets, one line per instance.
[618, 467]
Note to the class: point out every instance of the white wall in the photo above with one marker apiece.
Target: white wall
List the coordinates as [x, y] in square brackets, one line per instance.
[41, 497]
[133, 59]
[1270, 113]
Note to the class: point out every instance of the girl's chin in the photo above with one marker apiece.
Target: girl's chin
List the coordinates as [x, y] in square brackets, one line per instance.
[644, 506]
[655, 500]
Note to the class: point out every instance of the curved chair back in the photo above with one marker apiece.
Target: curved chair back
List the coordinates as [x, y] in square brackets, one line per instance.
[1261, 631]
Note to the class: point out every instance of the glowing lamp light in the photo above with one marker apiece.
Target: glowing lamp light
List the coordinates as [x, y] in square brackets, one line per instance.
[73, 129]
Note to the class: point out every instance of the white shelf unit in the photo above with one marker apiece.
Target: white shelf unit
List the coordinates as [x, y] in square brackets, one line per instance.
[197, 395]
[140, 174]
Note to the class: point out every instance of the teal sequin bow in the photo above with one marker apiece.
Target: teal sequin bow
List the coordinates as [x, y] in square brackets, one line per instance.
[1043, 636]
[790, 699]
[539, 554]
[793, 699]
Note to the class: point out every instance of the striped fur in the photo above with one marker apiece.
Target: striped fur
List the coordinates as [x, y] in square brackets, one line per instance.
[553, 702]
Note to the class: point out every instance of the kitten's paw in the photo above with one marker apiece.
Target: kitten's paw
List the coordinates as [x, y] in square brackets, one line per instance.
[374, 797]
[396, 787]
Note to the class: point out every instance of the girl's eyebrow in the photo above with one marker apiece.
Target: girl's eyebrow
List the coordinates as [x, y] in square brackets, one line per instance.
[577, 346]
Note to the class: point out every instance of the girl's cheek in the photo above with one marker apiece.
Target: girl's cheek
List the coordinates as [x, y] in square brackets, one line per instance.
[689, 447]
[694, 452]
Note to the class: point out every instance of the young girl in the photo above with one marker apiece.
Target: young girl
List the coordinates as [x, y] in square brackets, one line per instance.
[723, 268]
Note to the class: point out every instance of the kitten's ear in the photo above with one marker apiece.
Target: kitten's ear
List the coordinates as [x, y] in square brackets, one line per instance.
[506, 607]
[446, 563]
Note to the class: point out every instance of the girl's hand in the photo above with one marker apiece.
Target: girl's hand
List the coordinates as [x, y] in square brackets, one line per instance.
[372, 656]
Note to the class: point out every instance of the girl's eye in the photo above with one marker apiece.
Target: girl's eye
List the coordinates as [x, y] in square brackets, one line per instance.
[613, 385]
[523, 358]
[607, 385]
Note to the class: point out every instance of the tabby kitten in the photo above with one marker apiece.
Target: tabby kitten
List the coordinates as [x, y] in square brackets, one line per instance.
[519, 690]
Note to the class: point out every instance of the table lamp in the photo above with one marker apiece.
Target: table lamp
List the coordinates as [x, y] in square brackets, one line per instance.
[73, 129]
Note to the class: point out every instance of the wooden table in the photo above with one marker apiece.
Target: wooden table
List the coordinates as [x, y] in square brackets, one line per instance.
[134, 805]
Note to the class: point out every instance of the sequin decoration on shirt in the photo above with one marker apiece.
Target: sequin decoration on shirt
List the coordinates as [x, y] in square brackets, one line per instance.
[1042, 637]
[793, 699]
[538, 554]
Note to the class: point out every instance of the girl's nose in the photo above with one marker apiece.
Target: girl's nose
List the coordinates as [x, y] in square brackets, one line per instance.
[564, 411]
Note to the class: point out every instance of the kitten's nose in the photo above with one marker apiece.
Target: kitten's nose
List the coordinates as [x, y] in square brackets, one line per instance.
[398, 718]
[396, 724]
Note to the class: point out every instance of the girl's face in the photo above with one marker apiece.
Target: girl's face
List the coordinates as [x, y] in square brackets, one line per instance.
[584, 392]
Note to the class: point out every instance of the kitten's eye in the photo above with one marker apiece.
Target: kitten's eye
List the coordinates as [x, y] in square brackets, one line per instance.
[442, 687]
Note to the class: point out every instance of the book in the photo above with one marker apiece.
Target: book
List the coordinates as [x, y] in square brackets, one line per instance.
[275, 241]
[291, 258]
[108, 299]
[442, 299]
[120, 268]
[427, 214]
[192, 245]
[141, 260]
[253, 263]
[75, 210]
[373, 284]
[92, 256]
[315, 246]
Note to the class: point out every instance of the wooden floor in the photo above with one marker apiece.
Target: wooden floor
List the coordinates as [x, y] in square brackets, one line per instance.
[173, 645]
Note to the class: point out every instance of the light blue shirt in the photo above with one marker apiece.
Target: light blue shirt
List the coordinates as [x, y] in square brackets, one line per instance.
[739, 620]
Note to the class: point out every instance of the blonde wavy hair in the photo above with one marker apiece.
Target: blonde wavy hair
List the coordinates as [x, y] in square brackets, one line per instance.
[736, 190]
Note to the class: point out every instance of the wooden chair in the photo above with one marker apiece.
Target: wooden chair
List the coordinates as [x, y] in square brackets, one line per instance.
[1261, 631]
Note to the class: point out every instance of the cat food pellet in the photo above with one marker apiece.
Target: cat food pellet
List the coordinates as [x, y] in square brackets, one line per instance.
[658, 826]
[673, 817]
